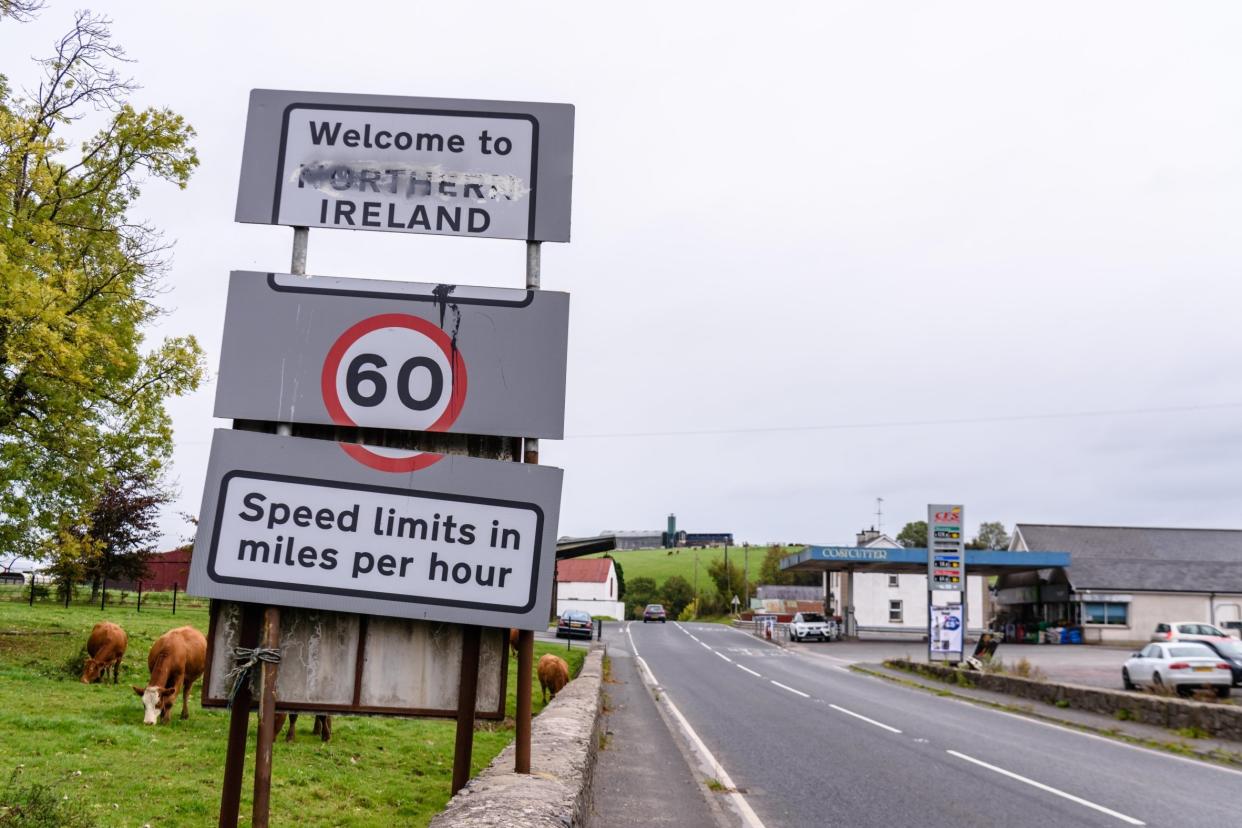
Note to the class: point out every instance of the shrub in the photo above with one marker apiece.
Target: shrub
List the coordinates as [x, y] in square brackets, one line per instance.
[39, 806]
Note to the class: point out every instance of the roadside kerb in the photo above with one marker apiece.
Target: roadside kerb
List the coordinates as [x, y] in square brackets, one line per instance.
[563, 748]
[1220, 721]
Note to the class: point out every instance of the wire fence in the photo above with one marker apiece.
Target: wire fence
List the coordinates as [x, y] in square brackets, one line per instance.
[129, 596]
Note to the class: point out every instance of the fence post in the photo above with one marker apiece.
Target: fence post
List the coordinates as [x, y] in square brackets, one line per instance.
[68, 593]
[32, 583]
[174, 612]
[103, 595]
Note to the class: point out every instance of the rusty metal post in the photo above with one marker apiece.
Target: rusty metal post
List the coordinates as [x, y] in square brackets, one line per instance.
[526, 658]
[267, 723]
[174, 612]
[467, 692]
[239, 725]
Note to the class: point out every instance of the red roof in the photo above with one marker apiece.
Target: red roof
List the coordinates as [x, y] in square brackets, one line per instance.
[583, 569]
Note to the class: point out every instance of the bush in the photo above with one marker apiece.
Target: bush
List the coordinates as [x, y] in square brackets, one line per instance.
[690, 613]
[39, 806]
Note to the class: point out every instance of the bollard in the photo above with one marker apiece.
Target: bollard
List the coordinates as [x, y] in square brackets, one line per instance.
[599, 629]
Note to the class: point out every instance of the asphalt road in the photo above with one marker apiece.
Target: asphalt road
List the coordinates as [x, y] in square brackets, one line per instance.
[810, 743]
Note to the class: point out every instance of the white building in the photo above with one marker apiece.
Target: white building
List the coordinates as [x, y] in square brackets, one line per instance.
[588, 584]
[897, 603]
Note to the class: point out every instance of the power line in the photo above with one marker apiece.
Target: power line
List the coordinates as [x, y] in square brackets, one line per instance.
[1010, 418]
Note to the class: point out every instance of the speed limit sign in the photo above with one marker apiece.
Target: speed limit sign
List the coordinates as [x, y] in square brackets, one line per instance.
[390, 355]
[394, 368]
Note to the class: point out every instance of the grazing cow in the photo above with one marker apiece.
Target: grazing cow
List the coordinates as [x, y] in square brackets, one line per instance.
[105, 648]
[513, 640]
[322, 728]
[176, 662]
[553, 675]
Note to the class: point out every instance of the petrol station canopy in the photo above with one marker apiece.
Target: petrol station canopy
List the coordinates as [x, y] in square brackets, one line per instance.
[879, 559]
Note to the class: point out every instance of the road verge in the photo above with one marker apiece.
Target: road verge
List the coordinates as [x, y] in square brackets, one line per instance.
[563, 748]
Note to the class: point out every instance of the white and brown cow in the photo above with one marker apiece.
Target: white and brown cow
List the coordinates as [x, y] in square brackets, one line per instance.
[176, 661]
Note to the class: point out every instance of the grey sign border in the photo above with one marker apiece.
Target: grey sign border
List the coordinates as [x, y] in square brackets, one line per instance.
[448, 298]
[519, 116]
[368, 594]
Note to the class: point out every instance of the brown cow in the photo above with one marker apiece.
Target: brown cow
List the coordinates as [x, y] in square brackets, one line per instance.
[553, 675]
[513, 640]
[322, 728]
[104, 649]
[175, 661]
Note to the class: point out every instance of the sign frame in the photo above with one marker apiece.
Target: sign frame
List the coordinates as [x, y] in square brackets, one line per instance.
[946, 547]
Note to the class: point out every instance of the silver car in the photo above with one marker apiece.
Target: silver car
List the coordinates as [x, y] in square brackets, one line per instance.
[1182, 666]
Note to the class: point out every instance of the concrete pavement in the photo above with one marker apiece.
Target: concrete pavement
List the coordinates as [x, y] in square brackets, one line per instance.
[810, 743]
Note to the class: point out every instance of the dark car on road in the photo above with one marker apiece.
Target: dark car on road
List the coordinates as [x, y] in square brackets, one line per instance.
[574, 624]
[655, 612]
[1231, 652]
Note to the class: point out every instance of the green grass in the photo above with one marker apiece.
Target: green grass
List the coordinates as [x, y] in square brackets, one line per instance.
[660, 565]
[89, 743]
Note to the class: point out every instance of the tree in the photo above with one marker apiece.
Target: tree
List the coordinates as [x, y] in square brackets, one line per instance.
[770, 571]
[124, 524]
[728, 580]
[70, 554]
[81, 393]
[616, 565]
[641, 591]
[913, 535]
[991, 536]
[676, 594]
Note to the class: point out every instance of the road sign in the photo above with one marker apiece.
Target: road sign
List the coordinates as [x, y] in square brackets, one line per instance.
[290, 521]
[399, 355]
[491, 169]
[335, 662]
[946, 547]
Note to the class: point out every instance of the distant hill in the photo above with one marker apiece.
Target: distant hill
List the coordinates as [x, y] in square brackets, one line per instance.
[660, 565]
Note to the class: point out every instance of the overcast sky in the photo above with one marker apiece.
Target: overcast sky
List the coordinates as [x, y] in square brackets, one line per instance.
[879, 218]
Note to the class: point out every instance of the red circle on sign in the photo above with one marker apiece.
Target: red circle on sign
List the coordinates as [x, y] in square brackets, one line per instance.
[332, 400]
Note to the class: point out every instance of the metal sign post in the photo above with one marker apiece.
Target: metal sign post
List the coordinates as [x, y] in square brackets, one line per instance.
[361, 478]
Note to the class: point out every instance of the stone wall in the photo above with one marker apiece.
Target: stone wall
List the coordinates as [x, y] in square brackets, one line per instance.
[1220, 721]
[562, 757]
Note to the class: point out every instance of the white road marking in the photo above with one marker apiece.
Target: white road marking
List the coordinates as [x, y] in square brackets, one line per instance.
[1047, 788]
[704, 646]
[749, 817]
[790, 689]
[840, 709]
[747, 669]
[722, 655]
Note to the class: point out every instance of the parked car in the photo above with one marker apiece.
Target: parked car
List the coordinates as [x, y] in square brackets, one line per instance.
[655, 612]
[806, 625]
[1230, 651]
[1188, 631]
[1181, 665]
[575, 624]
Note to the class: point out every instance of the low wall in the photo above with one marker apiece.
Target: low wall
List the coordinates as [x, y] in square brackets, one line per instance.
[562, 760]
[1220, 721]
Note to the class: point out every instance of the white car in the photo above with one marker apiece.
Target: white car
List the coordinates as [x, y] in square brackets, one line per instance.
[810, 625]
[1188, 631]
[1181, 665]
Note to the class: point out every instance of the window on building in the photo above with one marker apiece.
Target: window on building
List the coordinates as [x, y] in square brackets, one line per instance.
[1101, 612]
[892, 580]
[894, 612]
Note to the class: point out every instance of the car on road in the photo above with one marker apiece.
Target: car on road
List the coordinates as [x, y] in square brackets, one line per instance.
[655, 612]
[1183, 666]
[1230, 651]
[806, 625]
[1188, 631]
[575, 624]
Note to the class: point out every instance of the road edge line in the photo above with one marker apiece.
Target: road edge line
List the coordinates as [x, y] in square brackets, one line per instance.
[749, 817]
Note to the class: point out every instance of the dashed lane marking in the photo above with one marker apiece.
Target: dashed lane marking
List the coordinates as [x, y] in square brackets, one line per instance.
[840, 709]
[747, 669]
[790, 689]
[1048, 788]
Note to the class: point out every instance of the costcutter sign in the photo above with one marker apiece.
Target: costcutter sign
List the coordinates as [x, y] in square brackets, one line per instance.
[395, 355]
[288, 521]
[491, 169]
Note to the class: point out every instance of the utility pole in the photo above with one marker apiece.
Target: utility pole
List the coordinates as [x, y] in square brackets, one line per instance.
[746, 573]
[696, 585]
[728, 577]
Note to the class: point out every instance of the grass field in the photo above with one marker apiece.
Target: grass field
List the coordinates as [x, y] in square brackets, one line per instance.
[661, 565]
[89, 743]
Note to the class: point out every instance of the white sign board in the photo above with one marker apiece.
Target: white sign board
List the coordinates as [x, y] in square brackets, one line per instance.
[490, 169]
[946, 634]
[299, 522]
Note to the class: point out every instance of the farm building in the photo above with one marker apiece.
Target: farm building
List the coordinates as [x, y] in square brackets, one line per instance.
[588, 584]
[1122, 581]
